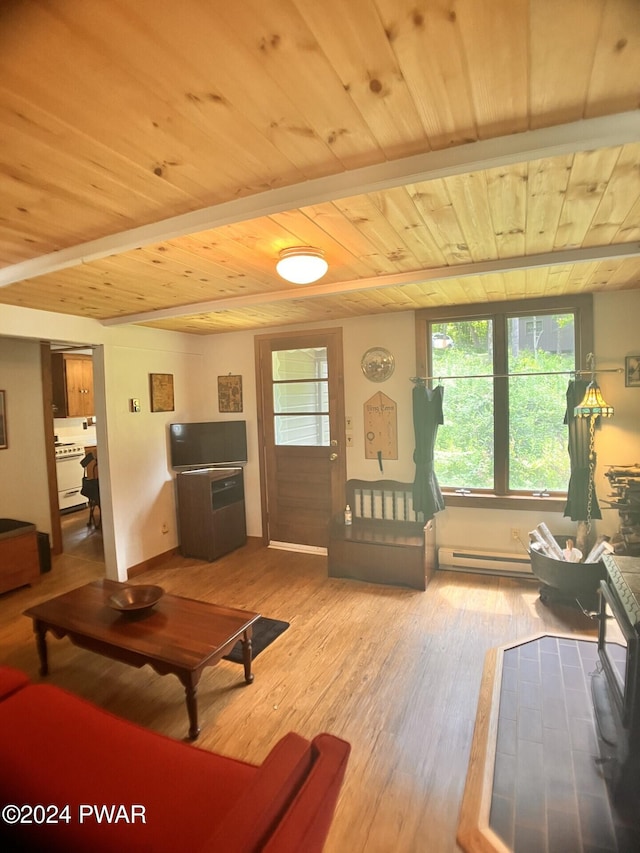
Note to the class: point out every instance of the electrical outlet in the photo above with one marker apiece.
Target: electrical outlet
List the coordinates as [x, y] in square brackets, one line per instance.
[515, 534]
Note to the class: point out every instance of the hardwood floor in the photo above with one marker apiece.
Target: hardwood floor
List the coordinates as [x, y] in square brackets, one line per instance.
[394, 671]
[80, 540]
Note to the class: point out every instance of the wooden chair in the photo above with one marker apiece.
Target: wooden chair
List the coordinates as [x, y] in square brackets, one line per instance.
[91, 489]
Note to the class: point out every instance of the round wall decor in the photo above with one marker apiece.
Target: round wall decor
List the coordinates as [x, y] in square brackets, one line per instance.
[377, 364]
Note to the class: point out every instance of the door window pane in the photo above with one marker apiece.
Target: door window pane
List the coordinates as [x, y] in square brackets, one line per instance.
[302, 430]
[301, 397]
[309, 363]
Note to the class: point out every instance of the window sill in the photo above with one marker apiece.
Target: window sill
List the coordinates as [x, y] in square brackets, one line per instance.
[520, 503]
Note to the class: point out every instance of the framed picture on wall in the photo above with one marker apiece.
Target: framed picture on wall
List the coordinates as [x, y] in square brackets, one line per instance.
[161, 392]
[632, 371]
[230, 393]
[3, 422]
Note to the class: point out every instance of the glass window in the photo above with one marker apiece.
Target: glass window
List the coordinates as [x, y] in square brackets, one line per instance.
[301, 397]
[465, 349]
[538, 458]
[505, 398]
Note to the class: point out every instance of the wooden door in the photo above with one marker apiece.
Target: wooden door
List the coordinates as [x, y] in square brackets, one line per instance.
[301, 434]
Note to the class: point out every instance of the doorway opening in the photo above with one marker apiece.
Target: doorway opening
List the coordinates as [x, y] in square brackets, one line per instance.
[78, 540]
[71, 440]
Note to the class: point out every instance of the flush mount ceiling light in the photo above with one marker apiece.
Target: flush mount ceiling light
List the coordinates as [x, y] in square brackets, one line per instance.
[302, 265]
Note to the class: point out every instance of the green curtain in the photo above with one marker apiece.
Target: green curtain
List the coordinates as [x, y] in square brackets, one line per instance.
[578, 489]
[427, 415]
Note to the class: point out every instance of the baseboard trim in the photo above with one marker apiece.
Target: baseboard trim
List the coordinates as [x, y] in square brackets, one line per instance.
[151, 563]
[157, 561]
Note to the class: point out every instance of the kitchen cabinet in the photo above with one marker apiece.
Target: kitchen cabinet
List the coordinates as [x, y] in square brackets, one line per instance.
[72, 378]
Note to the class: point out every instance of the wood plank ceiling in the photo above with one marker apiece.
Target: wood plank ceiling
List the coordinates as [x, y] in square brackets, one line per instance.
[156, 156]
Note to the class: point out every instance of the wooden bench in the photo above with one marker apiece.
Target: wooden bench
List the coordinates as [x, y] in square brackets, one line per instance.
[386, 543]
[19, 558]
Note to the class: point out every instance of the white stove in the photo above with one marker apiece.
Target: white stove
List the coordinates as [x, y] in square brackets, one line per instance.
[69, 473]
[66, 451]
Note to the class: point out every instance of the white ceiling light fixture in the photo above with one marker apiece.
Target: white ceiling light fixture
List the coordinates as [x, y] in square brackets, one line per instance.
[301, 265]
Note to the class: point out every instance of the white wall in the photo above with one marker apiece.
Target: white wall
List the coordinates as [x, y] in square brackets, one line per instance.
[134, 451]
[137, 487]
[396, 333]
[234, 353]
[23, 486]
[618, 439]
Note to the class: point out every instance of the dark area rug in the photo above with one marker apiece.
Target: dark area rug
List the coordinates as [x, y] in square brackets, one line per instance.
[265, 631]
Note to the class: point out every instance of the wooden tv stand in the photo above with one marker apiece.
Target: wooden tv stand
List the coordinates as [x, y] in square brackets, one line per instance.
[211, 512]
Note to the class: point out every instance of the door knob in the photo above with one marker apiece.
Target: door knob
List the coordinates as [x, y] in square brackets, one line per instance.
[333, 457]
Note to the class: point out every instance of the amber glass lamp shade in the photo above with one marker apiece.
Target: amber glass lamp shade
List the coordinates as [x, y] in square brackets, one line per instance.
[593, 404]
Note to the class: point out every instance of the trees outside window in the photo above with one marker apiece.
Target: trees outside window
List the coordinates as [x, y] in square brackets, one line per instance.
[505, 371]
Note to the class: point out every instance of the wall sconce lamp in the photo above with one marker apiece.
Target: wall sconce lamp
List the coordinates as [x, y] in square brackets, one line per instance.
[301, 265]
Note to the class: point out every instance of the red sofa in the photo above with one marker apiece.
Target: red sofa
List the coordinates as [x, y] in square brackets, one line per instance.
[130, 789]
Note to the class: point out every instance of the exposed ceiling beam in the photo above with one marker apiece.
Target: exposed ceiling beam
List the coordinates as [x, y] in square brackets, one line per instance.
[601, 132]
[618, 251]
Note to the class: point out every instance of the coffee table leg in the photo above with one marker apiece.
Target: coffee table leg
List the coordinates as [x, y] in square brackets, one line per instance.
[247, 650]
[41, 644]
[191, 690]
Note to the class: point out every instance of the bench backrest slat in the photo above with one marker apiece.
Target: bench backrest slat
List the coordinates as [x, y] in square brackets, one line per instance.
[383, 500]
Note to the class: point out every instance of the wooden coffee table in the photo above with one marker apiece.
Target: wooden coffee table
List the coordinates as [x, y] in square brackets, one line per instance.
[178, 635]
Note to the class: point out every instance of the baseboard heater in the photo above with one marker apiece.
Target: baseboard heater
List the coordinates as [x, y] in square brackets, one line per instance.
[494, 562]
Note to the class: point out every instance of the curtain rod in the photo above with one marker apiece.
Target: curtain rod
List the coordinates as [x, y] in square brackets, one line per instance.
[423, 379]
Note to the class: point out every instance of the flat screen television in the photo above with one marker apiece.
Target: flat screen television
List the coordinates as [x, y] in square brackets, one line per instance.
[200, 445]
